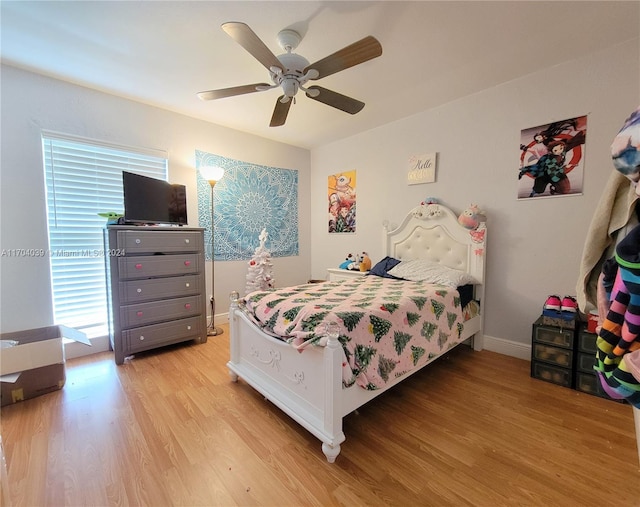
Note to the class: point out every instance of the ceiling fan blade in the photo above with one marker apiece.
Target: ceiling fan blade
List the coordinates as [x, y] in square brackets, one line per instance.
[358, 52]
[243, 35]
[230, 92]
[280, 112]
[337, 100]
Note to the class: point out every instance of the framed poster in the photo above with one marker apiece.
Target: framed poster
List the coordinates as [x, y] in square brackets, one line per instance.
[552, 159]
[341, 200]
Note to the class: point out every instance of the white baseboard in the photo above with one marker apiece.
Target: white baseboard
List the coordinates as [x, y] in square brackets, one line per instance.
[507, 347]
[499, 345]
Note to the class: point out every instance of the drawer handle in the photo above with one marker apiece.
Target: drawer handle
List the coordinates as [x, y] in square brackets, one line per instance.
[187, 306]
[188, 328]
[187, 263]
[139, 314]
[138, 241]
[138, 266]
[186, 241]
[138, 290]
[187, 284]
[141, 338]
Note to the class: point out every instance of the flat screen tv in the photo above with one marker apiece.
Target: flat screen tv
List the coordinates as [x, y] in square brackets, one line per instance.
[153, 201]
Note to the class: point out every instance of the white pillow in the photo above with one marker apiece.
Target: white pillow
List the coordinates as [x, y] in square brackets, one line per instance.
[427, 271]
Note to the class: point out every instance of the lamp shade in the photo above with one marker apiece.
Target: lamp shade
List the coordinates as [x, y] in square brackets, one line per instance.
[212, 173]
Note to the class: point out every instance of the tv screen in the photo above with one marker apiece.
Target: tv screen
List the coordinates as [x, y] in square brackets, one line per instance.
[153, 201]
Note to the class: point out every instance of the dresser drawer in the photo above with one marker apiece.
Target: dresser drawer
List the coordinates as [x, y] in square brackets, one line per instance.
[152, 241]
[586, 362]
[587, 342]
[148, 337]
[554, 355]
[558, 337]
[134, 291]
[560, 376]
[590, 383]
[146, 266]
[157, 311]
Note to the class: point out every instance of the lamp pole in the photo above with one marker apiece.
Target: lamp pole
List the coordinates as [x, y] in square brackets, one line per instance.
[212, 175]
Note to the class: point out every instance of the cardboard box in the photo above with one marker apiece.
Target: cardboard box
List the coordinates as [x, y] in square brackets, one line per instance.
[32, 362]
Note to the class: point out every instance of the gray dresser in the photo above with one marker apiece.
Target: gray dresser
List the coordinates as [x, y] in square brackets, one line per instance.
[156, 284]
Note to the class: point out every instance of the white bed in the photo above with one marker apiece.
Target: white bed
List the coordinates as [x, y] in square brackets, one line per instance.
[281, 373]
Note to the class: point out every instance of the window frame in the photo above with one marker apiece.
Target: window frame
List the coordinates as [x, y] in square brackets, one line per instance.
[82, 178]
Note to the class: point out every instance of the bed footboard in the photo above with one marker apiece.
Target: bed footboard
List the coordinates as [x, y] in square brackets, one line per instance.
[306, 386]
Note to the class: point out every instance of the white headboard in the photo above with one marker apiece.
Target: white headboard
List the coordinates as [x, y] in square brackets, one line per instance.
[432, 232]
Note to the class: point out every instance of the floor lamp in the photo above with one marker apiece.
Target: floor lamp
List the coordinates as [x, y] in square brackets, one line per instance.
[212, 175]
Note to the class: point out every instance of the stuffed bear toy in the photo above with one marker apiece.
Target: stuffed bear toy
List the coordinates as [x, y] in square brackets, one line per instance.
[350, 263]
[365, 262]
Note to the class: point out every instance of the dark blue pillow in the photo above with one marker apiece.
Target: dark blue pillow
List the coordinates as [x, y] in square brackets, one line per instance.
[381, 268]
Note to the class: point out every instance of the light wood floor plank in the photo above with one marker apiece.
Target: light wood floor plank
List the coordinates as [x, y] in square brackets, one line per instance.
[170, 428]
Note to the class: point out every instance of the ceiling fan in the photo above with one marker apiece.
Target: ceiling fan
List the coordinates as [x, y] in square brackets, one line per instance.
[291, 71]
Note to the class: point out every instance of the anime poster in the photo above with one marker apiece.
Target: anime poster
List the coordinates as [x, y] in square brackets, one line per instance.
[341, 200]
[552, 159]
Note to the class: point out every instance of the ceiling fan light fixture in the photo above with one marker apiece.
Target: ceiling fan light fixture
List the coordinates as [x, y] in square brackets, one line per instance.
[290, 86]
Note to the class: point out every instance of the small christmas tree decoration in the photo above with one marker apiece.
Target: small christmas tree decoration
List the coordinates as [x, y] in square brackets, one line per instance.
[260, 275]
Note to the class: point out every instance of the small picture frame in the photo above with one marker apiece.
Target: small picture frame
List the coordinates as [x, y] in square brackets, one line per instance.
[422, 169]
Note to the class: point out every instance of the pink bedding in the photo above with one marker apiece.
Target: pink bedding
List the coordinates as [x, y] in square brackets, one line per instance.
[387, 327]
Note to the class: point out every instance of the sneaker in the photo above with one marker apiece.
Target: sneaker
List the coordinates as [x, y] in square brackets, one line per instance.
[569, 304]
[553, 303]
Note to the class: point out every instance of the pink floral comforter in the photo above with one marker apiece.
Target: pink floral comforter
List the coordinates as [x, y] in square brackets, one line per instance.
[387, 327]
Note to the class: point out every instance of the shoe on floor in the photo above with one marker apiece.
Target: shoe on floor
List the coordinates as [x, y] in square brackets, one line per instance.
[569, 304]
[553, 303]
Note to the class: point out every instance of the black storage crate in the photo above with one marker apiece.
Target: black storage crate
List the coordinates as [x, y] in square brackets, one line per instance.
[553, 351]
[586, 378]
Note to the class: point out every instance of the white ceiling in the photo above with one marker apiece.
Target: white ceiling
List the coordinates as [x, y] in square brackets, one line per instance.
[163, 52]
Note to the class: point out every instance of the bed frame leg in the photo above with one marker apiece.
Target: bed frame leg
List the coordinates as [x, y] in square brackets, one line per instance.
[331, 452]
[233, 375]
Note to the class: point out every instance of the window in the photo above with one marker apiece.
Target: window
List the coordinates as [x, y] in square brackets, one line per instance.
[84, 178]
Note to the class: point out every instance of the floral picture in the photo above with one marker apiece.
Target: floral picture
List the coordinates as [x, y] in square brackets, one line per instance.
[552, 159]
[341, 202]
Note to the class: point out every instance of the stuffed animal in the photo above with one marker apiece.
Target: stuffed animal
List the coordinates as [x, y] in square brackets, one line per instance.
[111, 216]
[471, 217]
[428, 208]
[350, 263]
[365, 262]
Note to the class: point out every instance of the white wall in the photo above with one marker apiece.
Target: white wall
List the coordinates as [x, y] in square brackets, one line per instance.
[534, 246]
[32, 102]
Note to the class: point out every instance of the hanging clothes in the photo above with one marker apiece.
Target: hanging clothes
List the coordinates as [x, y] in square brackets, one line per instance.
[619, 334]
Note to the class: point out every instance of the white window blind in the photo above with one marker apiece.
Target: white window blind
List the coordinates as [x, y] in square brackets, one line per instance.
[84, 178]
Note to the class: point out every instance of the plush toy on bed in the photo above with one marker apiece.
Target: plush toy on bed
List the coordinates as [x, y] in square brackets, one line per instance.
[365, 262]
[471, 217]
[428, 208]
[350, 263]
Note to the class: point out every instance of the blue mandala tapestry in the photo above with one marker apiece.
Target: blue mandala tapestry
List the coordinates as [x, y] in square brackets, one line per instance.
[247, 199]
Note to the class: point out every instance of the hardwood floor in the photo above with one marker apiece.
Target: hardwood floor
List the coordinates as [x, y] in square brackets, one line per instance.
[170, 428]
